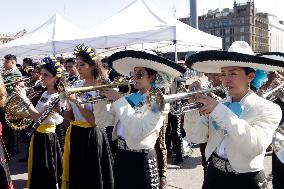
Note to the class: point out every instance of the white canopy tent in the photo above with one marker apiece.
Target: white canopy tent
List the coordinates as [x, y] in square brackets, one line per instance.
[138, 23]
[44, 40]
[142, 23]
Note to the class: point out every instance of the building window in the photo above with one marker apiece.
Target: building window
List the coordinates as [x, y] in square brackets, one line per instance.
[206, 25]
[242, 38]
[217, 32]
[242, 20]
[227, 40]
[216, 24]
[225, 23]
[242, 29]
[230, 22]
[227, 31]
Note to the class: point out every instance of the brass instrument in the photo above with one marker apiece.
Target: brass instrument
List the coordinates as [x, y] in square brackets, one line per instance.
[69, 91]
[16, 111]
[26, 79]
[278, 143]
[274, 93]
[66, 91]
[157, 99]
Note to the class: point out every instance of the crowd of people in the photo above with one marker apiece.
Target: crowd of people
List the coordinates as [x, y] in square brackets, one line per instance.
[122, 138]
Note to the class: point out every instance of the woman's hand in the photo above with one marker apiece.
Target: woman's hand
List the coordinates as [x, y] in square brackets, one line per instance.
[209, 103]
[196, 85]
[111, 94]
[72, 98]
[21, 92]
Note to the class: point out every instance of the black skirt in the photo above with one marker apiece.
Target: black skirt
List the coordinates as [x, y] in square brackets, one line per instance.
[90, 161]
[135, 169]
[47, 162]
[5, 179]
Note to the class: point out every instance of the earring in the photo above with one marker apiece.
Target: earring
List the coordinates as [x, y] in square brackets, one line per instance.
[152, 84]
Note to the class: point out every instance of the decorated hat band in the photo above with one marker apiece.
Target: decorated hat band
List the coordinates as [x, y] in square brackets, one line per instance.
[87, 49]
[55, 63]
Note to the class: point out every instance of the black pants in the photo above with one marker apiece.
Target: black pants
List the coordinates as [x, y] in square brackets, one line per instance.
[174, 136]
[217, 179]
[204, 162]
[135, 169]
[277, 172]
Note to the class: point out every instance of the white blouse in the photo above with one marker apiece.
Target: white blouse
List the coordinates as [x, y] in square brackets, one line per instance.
[44, 102]
[81, 98]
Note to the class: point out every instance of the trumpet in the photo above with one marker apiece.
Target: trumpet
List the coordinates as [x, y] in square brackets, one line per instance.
[157, 99]
[273, 93]
[68, 91]
[65, 91]
[26, 79]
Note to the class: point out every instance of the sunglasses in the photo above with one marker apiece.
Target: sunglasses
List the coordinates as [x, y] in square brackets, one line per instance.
[137, 75]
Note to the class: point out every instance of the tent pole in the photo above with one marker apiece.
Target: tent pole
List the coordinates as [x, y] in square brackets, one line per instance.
[176, 55]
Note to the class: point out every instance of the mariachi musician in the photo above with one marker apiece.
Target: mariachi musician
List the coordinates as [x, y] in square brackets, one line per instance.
[45, 158]
[239, 128]
[10, 74]
[87, 160]
[275, 79]
[138, 123]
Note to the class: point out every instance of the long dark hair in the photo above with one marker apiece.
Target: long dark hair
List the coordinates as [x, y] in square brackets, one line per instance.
[86, 58]
[51, 69]
[150, 71]
[248, 71]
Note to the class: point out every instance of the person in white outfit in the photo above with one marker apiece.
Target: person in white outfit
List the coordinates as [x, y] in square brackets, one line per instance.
[239, 128]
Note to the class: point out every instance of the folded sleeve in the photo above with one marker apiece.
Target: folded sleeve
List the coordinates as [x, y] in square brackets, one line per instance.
[103, 115]
[196, 127]
[256, 132]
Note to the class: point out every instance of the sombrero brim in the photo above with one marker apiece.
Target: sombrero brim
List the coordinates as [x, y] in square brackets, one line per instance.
[213, 61]
[273, 55]
[125, 61]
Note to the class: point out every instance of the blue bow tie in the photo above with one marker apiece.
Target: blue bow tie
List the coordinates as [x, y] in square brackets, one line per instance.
[135, 99]
[235, 107]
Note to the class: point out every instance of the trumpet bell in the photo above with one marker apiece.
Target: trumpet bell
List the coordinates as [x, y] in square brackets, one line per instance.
[16, 114]
[278, 143]
[155, 100]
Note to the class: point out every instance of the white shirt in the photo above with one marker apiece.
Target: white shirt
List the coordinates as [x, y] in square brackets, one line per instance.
[43, 103]
[81, 98]
[247, 136]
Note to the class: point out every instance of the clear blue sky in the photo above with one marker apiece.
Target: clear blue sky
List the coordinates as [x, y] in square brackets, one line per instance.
[16, 15]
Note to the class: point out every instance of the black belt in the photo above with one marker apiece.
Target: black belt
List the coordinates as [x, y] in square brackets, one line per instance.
[222, 164]
[121, 145]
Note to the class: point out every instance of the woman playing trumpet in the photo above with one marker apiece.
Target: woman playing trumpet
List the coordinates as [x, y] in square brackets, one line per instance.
[45, 158]
[87, 161]
[239, 128]
[137, 124]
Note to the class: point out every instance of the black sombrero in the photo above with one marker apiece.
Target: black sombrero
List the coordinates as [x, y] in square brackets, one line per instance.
[125, 61]
[239, 54]
[272, 55]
